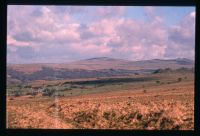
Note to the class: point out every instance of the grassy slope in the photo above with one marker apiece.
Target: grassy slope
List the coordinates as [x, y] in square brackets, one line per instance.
[167, 105]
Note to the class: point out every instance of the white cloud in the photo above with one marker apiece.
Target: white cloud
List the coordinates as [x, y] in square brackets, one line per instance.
[181, 41]
[55, 33]
[193, 14]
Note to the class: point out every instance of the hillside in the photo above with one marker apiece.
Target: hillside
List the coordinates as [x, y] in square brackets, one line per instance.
[93, 67]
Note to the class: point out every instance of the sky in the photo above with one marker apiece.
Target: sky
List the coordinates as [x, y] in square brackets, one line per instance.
[59, 34]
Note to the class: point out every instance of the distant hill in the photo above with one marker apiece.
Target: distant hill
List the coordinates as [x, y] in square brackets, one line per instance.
[107, 63]
[169, 70]
[93, 67]
[170, 63]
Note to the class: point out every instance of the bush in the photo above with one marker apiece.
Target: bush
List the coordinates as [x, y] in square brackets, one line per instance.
[28, 93]
[136, 73]
[11, 98]
[48, 92]
[34, 94]
[179, 79]
[16, 94]
[106, 115]
[157, 81]
[144, 91]
[27, 86]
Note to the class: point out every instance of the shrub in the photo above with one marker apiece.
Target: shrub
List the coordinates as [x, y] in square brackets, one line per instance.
[166, 123]
[11, 98]
[157, 81]
[16, 94]
[27, 86]
[144, 91]
[139, 116]
[28, 93]
[136, 73]
[48, 92]
[179, 79]
[106, 115]
[34, 94]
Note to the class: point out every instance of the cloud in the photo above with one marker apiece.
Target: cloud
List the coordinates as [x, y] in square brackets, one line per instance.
[182, 38]
[13, 42]
[193, 14]
[51, 33]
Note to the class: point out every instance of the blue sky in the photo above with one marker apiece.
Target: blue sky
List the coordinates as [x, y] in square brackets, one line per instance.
[45, 34]
[172, 15]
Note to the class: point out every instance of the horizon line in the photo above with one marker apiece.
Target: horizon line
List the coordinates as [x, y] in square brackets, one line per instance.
[10, 63]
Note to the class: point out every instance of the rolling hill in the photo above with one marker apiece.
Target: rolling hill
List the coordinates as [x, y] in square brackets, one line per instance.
[93, 67]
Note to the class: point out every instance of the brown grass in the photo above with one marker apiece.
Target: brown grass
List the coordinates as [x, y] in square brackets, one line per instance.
[167, 106]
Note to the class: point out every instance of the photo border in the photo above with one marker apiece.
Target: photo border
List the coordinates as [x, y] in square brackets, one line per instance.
[3, 51]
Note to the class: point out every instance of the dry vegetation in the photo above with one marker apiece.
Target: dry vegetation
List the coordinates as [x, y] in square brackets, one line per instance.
[164, 106]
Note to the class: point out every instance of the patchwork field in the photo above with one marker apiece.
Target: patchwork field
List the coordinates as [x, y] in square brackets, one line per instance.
[164, 102]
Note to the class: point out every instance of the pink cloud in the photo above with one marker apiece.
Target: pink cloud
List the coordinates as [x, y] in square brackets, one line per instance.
[193, 14]
[13, 42]
[67, 34]
[105, 26]
[110, 33]
[90, 49]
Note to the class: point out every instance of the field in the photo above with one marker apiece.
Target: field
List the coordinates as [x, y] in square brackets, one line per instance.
[150, 101]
